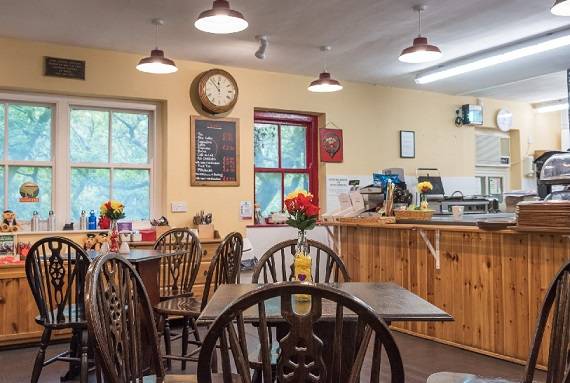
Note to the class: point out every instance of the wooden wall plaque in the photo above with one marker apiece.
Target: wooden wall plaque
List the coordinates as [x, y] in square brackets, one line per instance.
[66, 68]
[214, 151]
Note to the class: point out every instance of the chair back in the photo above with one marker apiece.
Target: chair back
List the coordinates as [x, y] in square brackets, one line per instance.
[121, 321]
[272, 267]
[55, 269]
[225, 265]
[556, 305]
[303, 354]
[179, 270]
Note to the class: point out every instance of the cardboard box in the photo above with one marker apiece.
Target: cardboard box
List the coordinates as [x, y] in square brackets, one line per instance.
[206, 231]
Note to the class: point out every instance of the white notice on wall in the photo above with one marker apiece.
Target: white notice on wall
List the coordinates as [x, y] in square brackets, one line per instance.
[245, 210]
[337, 185]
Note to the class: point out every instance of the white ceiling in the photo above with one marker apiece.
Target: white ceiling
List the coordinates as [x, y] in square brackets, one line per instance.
[366, 35]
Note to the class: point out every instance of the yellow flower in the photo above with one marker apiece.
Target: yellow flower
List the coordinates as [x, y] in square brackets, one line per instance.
[424, 187]
[295, 193]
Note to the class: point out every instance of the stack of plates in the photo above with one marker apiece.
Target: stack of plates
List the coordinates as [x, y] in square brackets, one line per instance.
[547, 214]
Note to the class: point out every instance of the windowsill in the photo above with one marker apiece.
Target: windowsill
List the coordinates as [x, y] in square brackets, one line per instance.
[267, 225]
[54, 232]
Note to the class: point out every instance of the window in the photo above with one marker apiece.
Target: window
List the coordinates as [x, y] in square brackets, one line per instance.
[79, 152]
[285, 157]
[108, 152]
[26, 155]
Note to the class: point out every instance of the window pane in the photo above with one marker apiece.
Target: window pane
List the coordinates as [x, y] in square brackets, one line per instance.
[29, 132]
[89, 136]
[293, 147]
[268, 192]
[132, 188]
[265, 146]
[2, 119]
[294, 181]
[89, 189]
[17, 175]
[2, 195]
[130, 138]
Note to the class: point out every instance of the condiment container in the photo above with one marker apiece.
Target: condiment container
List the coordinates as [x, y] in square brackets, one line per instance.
[35, 221]
[51, 221]
[83, 220]
[92, 221]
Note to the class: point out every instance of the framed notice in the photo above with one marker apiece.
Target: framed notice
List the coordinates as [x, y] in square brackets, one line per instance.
[66, 68]
[214, 151]
[407, 144]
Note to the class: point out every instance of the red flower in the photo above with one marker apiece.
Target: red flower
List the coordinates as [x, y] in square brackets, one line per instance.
[312, 210]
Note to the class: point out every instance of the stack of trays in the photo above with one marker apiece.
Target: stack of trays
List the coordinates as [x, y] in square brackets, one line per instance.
[544, 214]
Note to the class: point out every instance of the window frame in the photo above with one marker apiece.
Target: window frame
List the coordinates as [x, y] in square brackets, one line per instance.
[60, 147]
[312, 169]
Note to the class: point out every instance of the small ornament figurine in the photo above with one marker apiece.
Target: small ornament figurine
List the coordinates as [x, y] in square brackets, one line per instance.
[9, 221]
[90, 242]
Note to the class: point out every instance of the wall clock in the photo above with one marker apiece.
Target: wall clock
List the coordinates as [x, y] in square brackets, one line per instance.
[504, 120]
[217, 91]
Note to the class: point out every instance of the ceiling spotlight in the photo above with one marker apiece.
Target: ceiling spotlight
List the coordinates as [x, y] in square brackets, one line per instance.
[263, 43]
[157, 63]
[561, 8]
[325, 83]
[221, 19]
[420, 51]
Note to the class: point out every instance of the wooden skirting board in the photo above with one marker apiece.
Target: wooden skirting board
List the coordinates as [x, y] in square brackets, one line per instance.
[491, 282]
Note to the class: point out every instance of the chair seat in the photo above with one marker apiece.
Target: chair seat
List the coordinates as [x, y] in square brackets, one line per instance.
[216, 378]
[183, 306]
[67, 321]
[456, 377]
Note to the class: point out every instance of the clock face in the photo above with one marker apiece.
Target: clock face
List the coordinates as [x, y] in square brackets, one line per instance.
[504, 120]
[218, 91]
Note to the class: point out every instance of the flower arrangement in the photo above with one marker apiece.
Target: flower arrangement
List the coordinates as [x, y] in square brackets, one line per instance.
[423, 188]
[303, 212]
[112, 209]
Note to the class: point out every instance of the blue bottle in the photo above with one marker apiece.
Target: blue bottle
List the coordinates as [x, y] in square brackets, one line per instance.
[92, 225]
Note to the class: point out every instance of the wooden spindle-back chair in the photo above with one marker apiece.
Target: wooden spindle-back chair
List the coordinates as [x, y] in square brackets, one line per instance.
[56, 269]
[304, 356]
[556, 305]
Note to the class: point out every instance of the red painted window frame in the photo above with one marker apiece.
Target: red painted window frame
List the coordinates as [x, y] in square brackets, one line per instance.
[311, 123]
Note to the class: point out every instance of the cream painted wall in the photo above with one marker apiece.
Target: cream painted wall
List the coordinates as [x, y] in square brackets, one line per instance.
[370, 116]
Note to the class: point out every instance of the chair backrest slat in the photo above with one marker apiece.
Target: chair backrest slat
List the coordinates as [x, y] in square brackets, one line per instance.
[55, 269]
[556, 305]
[323, 254]
[303, 356]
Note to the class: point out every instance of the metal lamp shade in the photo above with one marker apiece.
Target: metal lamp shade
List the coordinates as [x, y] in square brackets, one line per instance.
[325, 83]
[420, 52]
[221, 19]
[561, 8]
[157, 63]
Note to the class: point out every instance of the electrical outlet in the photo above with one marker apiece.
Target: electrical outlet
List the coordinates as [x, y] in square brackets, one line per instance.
[178, 207]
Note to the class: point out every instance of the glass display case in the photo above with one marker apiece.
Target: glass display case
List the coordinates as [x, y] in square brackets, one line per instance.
[556, 170]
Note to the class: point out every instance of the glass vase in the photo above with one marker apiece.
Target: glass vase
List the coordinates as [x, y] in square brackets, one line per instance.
[302, 264]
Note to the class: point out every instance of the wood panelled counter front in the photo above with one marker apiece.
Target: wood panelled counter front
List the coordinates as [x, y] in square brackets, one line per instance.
[491, 282]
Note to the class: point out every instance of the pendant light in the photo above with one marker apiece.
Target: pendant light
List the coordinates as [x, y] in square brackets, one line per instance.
[221, 19]
[325, 83]
[156, 63]
[561, 8]
[420, 51]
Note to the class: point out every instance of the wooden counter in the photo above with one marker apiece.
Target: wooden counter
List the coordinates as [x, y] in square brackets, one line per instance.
[491, 282]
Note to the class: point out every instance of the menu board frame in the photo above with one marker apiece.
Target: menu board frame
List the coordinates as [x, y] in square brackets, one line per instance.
[193, 180]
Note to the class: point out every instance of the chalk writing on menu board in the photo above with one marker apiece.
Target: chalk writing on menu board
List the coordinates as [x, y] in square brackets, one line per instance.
[215, 152]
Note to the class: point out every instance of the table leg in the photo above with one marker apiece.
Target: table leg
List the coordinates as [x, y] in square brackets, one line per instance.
[149, 273]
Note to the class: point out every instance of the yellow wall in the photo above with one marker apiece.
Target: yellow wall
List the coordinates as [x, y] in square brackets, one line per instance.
[370, 116]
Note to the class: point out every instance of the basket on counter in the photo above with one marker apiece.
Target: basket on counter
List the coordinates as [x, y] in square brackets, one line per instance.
[413, 215]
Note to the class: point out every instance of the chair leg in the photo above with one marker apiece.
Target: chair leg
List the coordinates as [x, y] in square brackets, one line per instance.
[185, 336]
[167, 343]
[195, 328]
[41, 356]
[84, 372]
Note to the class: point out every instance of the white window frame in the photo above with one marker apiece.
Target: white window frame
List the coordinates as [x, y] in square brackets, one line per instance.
[60, 160]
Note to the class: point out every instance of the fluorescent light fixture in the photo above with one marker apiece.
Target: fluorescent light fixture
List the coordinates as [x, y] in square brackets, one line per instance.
[516, 51]
[551, 106]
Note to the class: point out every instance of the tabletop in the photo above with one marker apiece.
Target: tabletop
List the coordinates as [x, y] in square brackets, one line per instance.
[392, 302]
[137, 255]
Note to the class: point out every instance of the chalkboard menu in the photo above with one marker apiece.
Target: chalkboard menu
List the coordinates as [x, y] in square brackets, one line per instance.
[214, 148]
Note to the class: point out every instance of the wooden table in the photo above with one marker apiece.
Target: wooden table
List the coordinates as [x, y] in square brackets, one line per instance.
[392, 303]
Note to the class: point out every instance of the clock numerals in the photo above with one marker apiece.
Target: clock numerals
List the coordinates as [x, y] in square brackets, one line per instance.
[219, 91]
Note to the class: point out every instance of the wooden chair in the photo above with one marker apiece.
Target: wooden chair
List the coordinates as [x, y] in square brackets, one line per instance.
[305, 356]
[121, 321]
[224, 268]
[178, 273]
[56, 269]
[557, 304]
[272, 265]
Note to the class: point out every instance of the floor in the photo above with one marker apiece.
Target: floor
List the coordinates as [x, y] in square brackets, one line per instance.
[421, 358]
